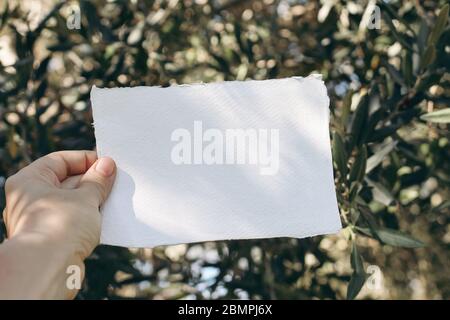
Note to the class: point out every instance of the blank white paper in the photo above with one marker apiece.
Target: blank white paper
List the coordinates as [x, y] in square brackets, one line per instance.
[228, 160]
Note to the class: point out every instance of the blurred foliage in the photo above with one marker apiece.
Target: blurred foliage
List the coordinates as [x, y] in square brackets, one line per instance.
[389, 90]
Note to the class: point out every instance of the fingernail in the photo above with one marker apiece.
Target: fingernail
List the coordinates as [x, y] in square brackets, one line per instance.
[105, 166]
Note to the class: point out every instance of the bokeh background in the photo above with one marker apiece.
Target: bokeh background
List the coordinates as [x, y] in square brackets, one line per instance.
[388, 82]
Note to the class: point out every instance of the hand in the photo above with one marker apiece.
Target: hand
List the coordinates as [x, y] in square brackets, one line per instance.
[52, 206]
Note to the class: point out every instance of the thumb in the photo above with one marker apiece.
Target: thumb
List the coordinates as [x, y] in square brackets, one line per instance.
[97, 182]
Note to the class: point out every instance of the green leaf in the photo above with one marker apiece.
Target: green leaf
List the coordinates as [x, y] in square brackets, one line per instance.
[355, 188]
[359, 275]
[340, 154]
[358, 169]
[428, 57]
[401, 38]
[422, 36]
[395, 74]
[392, 12]
[40, 91]
[369, 218]
[359, 125]
[439, 26]
[374, 120]
[355, 285]
[440, 116]
[380, 193]
[393, 237]
[356, 260]
[42, 69]
[378, 156]
[354, 215]
[382, 133]
[346, 105]
[407, 68]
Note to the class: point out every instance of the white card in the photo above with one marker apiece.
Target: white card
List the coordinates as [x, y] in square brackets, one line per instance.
[228, 160]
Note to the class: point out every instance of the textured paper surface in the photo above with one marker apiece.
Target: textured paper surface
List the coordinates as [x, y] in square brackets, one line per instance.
[157, 202]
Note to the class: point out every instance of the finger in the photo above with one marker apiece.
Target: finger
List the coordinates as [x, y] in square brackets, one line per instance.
[72, 182]
[66, 163]
[97, 182]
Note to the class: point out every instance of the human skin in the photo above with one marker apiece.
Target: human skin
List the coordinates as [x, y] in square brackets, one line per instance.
[52, 221]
